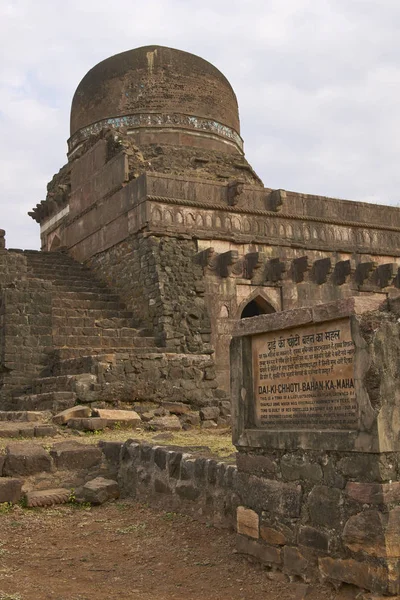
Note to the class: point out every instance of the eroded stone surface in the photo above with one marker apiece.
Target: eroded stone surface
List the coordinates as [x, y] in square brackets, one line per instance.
[70, 413]
[26, 459]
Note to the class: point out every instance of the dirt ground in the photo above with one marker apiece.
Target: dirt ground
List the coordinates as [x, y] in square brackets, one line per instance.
[125, 550]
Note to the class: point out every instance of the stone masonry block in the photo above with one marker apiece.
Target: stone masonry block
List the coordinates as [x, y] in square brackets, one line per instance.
[99, 490]
[26, 459]
[70, 413]
[247, 522]
[72, 455]
[10, 490]
[266, 554]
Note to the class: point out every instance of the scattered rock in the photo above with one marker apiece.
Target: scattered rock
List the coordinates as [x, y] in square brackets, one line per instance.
[208, 424]
[84, 387]
[209, 412]
[124, 417]
[99, 490]
[148, 416]
[92, 424]
[176, 408]
[192, 418]
[162, 437]
[71, 413]
[171, 423]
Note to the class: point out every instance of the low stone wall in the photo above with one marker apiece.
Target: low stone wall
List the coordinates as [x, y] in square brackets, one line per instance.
[176, 480]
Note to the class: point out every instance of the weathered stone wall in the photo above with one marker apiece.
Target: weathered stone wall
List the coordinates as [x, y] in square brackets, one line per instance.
[175, 479]
[159, 280]
[319, 514]
[320, 486]
[26, 329]
[149, 377]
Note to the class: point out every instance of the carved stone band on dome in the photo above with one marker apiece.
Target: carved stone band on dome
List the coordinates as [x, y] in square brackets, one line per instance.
[158, 120]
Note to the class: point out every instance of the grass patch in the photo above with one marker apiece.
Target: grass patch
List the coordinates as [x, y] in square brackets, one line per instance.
[131, 529]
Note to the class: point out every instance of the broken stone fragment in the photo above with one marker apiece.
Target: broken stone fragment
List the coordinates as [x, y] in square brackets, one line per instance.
[208, 424]
[209, 412]
[124, 417]
[71, 413]
[176, 408]
[98, 491]
[171, 423]
[47, 497]
[91, 424]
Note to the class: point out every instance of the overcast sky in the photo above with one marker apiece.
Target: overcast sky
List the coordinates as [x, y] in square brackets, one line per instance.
[318, 85]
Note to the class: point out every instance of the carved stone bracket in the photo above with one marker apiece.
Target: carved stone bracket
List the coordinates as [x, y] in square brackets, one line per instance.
[204, 257]
[275, 200]
[275, 270]
[385, 274]
[234, 190]
[363, 271]
[320, 270]
[299, 267]
[252, 261]
[225, 260]
[342, 271]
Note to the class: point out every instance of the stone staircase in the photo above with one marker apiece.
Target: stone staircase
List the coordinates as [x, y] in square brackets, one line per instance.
[85, 313]
[88, 321]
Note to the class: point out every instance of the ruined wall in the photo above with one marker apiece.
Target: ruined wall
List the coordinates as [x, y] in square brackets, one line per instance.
[148, 377]
[177, 480]
[161, 283]
[25, 323]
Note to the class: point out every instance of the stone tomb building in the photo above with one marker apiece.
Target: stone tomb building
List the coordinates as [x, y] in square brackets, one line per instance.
[157, 236]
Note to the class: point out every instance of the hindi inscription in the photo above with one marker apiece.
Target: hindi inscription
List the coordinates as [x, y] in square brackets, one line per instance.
[304, 378]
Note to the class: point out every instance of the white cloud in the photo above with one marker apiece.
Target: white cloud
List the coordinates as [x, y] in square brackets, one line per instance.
[317, 82]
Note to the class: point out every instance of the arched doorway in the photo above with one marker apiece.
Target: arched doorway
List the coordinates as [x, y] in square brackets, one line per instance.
[257, 306]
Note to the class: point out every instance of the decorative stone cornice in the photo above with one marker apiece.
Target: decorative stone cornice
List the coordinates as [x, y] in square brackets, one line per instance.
[159, 120]
[268, 213]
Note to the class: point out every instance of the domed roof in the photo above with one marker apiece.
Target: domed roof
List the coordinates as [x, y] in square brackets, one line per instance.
[154, 86]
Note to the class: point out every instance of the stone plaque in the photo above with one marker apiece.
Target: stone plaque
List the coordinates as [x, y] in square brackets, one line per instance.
[304, 378]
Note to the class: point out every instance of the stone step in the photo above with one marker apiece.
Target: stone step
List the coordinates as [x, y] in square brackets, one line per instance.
[28, 430]
[93, 341]
[89, 321]
[43, 385]
[105, 296]
[50, 401]
[122, 332]
[66, 353]
[80, 360]
[85, 303]
[24, 416]
[95, 313]
[77, 287]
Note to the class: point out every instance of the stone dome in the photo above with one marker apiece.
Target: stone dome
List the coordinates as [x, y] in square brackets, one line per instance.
[163, 94]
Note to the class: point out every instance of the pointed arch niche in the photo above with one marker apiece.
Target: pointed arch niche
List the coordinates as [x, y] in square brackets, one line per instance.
[254, 306]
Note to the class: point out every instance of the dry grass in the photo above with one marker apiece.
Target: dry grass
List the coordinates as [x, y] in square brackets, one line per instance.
[218, 441]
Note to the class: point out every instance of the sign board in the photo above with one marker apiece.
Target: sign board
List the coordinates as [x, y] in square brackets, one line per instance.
[304, 378]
